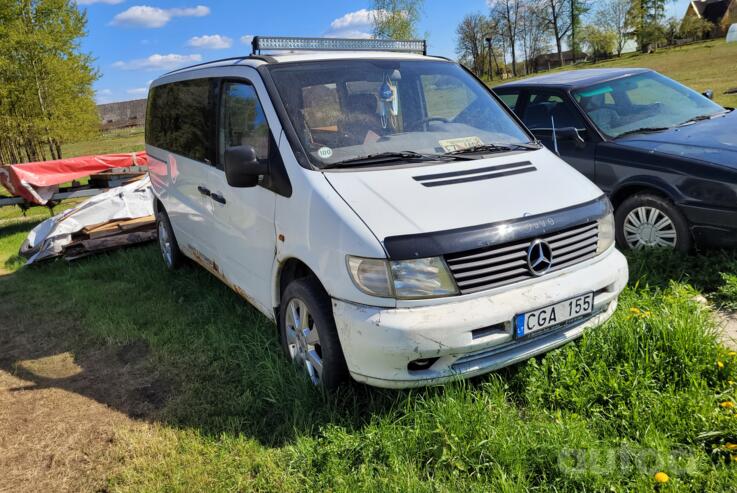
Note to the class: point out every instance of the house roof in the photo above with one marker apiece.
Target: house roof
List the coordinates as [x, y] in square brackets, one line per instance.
[574, 79]
[711, 10]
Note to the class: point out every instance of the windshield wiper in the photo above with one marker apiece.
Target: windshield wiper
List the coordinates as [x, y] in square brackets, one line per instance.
[644, 130]
[701, 118]
[392, 156]
[488, 148]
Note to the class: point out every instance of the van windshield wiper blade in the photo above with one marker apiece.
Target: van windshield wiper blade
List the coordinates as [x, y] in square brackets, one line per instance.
[644, 130]
[487, 148]
[387, 157]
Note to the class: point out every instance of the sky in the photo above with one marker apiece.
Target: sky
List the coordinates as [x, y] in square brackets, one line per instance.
[134, 41]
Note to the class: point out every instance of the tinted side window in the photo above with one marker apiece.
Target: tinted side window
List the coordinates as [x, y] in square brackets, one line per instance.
[181, 118]
[243, 121]
[544, 108]
[510, 99]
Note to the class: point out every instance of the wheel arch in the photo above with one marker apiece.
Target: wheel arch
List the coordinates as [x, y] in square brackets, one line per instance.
[642, 184]
[288, 270]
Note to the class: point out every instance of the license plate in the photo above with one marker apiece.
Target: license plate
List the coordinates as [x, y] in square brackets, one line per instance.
[548, 316]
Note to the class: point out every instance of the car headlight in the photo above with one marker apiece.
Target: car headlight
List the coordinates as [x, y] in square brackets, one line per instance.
[606, 233]
[402, 279]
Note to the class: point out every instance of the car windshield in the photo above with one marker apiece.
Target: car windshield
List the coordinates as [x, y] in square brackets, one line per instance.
[352, 109]
[647, 101]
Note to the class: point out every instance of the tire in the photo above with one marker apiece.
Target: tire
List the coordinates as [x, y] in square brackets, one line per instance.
[309, 349]
[170, 252]
[670, 229]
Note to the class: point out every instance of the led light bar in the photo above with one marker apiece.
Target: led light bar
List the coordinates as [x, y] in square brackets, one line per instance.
[336, 44]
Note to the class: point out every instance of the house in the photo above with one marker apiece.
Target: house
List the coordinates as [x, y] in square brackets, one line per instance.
[721, 13]
[549, 61]
[123, 114]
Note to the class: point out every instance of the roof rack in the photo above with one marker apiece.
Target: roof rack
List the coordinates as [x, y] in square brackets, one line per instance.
[288, 43]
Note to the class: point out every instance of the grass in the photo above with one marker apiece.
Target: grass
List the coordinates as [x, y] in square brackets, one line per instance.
[123, 140]
[640, 394]
[701, 66]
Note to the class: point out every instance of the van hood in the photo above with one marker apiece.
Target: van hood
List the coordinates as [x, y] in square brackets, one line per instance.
[439, 197]
[713, 140]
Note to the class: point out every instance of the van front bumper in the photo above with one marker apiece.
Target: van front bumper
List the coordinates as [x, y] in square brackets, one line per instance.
[471, 335]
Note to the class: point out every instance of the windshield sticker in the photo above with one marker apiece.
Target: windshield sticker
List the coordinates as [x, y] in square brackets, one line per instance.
[451, 145]
[596, 92]
[325, 152]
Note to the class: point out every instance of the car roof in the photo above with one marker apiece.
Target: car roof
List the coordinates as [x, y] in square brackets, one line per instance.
[575, 79]
[301, 56]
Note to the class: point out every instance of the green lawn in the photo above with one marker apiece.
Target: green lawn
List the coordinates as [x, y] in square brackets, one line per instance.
[701, 66]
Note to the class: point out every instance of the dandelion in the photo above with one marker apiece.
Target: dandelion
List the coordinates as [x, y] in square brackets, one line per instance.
[720, 364]
[661, 478]
[730, 382]
[635, 311]
[730, 446]
[727, 405]
[732, 353]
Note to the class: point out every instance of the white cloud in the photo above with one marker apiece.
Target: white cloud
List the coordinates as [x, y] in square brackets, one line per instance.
[104, 92]
[356, 24]
[90, 2]
[212, 42]
[158, 62]
[246, 39]
[138, 91]
[153, 17]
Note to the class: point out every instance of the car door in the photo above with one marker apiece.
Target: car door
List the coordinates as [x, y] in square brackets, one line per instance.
[244, 217]
[183, 122]
[542, 110]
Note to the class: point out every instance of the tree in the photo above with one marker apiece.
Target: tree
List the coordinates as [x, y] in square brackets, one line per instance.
[692, 27]
[533, 32]
[46, 95]
[471, 45]
[558, 18]
[577, 9]
[601, 42]
[646, 21]
[396, 19]
[508, 13]
[612, 15]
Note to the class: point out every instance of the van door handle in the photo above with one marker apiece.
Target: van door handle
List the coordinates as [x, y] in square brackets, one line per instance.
[218, 198]
[204, 191]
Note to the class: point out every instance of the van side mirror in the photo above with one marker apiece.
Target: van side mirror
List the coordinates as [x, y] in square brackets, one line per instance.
[242, 167]
[709, 94]
[570, 134]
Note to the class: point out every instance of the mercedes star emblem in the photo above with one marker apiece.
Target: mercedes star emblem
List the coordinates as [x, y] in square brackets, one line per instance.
[539, 257]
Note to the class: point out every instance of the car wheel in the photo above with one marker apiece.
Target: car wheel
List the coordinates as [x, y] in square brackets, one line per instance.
[308, 333]
[167, 242]
[647, 221]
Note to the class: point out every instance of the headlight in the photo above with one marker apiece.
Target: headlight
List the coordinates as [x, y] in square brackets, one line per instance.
[403, 279]
[606, 233]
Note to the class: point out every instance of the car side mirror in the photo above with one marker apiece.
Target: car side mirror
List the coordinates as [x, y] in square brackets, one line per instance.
[570, 134]
[709, 94]
[242, 166]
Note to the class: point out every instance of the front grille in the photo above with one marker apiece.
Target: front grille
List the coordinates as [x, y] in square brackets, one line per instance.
[506, 263]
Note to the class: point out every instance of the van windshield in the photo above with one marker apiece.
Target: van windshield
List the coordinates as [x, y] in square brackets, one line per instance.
[345, 110]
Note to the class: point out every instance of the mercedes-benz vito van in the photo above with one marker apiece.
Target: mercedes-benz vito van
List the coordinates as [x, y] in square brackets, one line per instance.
[382, 206]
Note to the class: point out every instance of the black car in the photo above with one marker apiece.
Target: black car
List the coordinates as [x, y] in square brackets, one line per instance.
[665, 154]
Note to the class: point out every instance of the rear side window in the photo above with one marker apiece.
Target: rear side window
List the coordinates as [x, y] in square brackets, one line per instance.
[243, 120]
[180, 119]
[546, 109]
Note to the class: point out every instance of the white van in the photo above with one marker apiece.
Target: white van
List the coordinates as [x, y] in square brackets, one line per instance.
[382, 206]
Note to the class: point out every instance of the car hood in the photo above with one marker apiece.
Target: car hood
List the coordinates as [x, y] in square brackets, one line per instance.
[713, 140]
[439, 197]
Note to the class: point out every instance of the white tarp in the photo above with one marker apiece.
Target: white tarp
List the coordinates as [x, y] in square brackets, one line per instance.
[732, 34]
[127, 202]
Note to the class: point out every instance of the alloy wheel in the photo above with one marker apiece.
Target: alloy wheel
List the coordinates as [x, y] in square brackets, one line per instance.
[165, 244]
[303, 339]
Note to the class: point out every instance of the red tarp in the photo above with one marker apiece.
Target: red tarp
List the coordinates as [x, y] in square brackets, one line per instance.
[36, 182]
